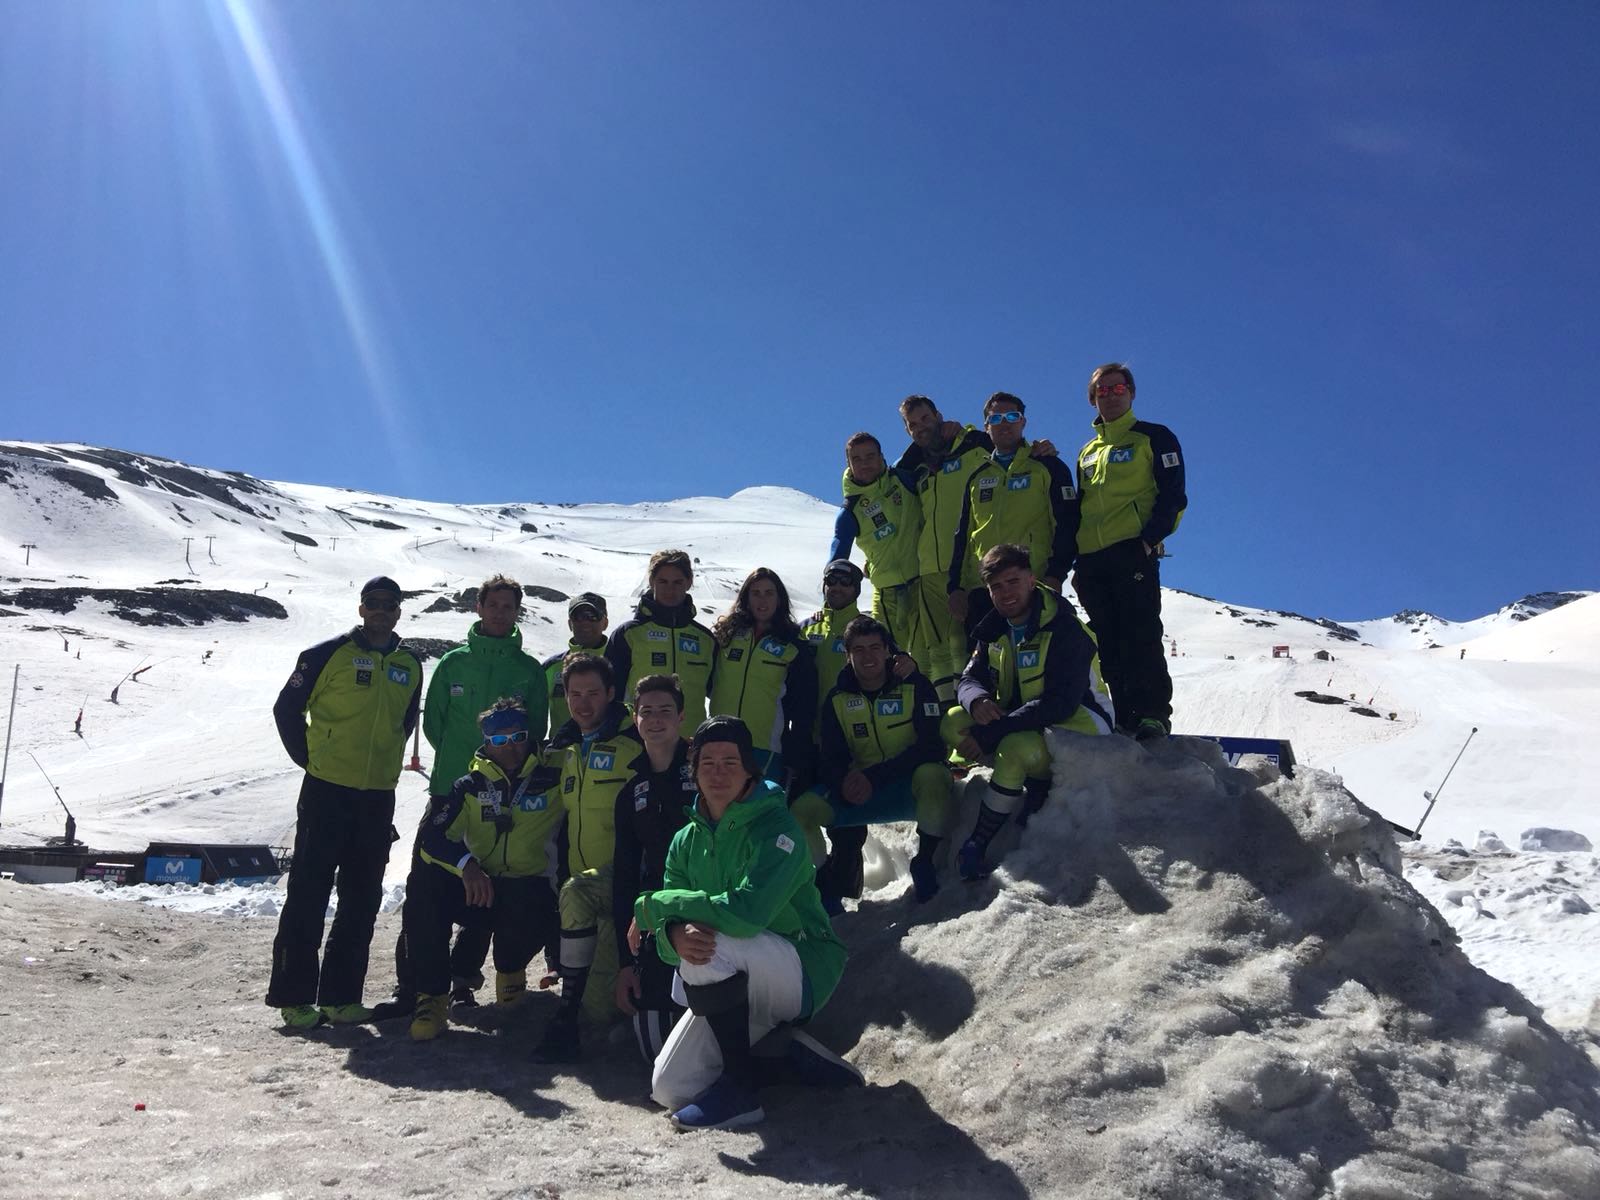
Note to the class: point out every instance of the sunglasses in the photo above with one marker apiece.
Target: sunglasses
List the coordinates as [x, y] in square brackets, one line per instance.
[1110, 389]
[381, 605]
[500, 739]
[1005, 418]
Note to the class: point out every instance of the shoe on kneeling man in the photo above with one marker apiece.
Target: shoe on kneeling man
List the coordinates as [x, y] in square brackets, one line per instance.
[432, 1017]
[726, 1104]
[924, 879]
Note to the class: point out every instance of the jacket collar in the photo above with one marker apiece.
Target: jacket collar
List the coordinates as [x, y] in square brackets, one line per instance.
[765, 795]
[479, 642]
[849, 683]
[1109, 431]
[359, 637]
[673, 618]
[610, 725]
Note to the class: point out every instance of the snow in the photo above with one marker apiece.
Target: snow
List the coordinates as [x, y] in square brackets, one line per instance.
[1188, 979]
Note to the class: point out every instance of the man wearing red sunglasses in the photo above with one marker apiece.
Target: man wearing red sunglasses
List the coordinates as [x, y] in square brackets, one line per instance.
[1131, 498]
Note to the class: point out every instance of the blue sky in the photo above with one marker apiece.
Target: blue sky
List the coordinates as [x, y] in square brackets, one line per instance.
[564, 252]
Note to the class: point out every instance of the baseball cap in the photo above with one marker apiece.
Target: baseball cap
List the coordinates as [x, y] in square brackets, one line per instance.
[587, 600]
[380, 583]
[844, 567]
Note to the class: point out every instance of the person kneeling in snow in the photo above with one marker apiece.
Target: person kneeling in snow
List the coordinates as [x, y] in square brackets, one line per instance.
[739, 916]
[1034, 667]
[485, 861]
[881, 758]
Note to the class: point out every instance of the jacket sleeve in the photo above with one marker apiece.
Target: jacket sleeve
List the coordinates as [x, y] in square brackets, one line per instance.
[289, 711]
[958, 557]
[1066, 678]
[845, 529]
[779, 866]
[626, 861]
[442, 832]
[538, 702]
[834, 751]
[620, 655]
[925, 713]
[415, 703]
[1064, 508]
[1171, 500]
[976, 681]
[800, 706]
[436, 712]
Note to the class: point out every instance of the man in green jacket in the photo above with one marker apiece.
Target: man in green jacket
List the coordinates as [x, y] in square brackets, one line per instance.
[586, 623]
[484, 860]
[1132, 497]
[469, 678]
[344, 716]
[739, 916]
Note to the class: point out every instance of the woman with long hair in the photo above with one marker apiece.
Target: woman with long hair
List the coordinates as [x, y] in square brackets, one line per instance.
[765, 674]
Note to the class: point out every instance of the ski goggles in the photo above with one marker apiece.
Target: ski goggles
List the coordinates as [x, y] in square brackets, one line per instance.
[1110, 389]
[1005, 418]
[501, 739]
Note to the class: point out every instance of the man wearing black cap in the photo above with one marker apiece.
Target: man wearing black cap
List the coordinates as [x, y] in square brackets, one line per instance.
[739, 916]
[586, 621]
[344, 716]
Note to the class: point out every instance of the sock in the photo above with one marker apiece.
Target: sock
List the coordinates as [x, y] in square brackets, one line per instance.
[577, 947]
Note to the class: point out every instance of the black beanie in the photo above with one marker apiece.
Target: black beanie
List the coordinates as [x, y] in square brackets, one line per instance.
[725, 729]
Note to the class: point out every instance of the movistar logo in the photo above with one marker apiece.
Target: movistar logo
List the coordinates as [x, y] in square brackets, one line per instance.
[601, 762]
[1020, 484]
[774, 647]
[1028, 658]
[688, 645]
[886, 531]
[1122, 454]
[890, 708]
[399, 675]
[952, 465]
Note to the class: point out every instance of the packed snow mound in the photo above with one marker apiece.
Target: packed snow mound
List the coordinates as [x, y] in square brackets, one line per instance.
[1189, 980]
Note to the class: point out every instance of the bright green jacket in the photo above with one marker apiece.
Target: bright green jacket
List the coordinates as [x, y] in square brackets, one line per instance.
[888, 524]
[348, 708]
[1130, 484]
[769, 684]
[559, 715]
[659, 641]
[590, 780]
[940, 489]
[749, 873]
[1029, 502]
[468, 680]
[464, 826]
[886, 734]
[824, 629]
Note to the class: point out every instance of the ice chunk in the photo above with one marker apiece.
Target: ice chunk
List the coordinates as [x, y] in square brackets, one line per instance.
[1540, 838]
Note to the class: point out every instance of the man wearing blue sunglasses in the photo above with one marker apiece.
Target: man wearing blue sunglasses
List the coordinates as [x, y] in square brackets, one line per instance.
[484, 862]
[1013, 498]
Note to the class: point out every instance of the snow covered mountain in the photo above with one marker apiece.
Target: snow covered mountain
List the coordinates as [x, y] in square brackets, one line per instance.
[212, 581]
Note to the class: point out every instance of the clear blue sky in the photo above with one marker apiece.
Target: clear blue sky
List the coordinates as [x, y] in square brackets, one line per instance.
[571, 251]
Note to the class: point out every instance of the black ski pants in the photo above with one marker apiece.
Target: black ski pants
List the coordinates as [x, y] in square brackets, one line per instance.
[341, 840]
[522, 919]
[1120, 588]
[471, 948]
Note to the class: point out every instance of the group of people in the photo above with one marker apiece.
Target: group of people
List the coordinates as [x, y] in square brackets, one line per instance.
[672, 813]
